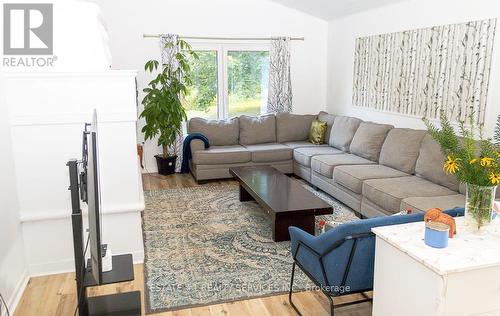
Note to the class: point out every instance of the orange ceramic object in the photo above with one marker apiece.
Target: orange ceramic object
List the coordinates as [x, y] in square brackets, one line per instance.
[437, 215]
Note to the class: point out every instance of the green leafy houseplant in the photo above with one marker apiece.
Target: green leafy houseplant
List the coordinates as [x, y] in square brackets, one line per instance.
[474, 162]
[163, 109]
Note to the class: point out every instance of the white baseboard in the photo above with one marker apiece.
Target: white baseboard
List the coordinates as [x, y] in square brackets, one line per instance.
[65, 266]
[18, 292]
[48, 268]
[138, 256]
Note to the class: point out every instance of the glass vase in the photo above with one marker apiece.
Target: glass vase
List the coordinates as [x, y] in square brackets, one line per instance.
[479, 205]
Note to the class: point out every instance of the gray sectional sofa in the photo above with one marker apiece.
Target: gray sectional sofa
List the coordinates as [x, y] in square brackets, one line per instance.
[373, 168]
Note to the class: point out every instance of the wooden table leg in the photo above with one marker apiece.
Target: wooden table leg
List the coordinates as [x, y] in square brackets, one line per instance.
[244, 195]
[280, 226]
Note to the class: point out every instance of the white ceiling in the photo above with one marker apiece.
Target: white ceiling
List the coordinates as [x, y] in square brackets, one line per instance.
[331, 9]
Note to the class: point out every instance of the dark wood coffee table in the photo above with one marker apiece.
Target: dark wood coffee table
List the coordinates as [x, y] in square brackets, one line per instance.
[285, 199]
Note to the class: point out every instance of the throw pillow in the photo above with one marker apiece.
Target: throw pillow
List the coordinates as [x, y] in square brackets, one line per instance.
[317, 132]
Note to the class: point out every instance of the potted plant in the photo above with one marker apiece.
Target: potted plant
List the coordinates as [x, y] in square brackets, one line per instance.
[163, 110]
[474, 162]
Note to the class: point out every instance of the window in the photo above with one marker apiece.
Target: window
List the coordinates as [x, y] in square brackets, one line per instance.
[201, 99]
[228, 80]
[247, 77]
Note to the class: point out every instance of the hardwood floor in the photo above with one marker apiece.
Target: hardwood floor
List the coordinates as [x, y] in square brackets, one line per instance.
[56, 294]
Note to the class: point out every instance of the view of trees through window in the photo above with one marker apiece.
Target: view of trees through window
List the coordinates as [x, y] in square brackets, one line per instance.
[248, 74]
[201, 99]
[246, 80]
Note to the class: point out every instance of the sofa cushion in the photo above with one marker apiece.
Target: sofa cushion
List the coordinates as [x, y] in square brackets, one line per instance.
[352, 177]
[329, 119]
[430, 164]
[293, 127]
[303, 155]
[422, 204]
[218, 132]
[269, 152]
[215, 155]
[462, 188]
[343, 131]
[257, 129]
[400, 149]
[388, 193]
[196, 144]
[302, 143]
[325, 164]
[368, 140]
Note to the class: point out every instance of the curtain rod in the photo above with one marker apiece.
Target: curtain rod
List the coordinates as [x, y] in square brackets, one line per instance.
[226, 38]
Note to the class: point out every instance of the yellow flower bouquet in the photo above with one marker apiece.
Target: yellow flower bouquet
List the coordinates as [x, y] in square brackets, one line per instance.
[475, 162]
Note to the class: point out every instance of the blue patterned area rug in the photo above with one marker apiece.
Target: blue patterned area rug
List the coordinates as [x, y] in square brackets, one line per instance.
[203, 246]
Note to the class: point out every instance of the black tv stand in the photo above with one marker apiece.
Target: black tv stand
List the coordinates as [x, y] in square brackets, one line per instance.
[126, 304]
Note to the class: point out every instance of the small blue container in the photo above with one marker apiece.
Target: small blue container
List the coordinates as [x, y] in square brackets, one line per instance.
[436, 235]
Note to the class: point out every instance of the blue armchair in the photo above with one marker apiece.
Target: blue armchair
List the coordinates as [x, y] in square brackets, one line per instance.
[341, 261]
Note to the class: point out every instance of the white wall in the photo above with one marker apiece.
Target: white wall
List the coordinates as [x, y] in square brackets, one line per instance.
[80, 39]
[46, 130]
[127, 22]
[13, 269]
[47, 109]
[399, 17]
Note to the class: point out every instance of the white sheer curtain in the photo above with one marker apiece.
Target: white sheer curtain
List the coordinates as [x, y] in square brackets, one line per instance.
[280, 85]
[169, 48]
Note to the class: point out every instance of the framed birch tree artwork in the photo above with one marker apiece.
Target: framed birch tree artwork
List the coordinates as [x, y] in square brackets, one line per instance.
[421, 72]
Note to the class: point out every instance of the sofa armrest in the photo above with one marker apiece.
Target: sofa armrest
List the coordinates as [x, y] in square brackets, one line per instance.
[323, 244]
[309, 252]
[297, 236]
[196, 145]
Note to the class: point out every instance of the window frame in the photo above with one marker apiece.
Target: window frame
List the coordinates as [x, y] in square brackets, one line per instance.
[222, 48]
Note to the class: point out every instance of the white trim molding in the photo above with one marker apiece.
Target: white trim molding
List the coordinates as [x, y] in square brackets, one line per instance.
[68, 265]
[13, 302]
[64, 214]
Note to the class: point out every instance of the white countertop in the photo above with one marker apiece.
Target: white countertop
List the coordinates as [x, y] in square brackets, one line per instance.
[466, 251]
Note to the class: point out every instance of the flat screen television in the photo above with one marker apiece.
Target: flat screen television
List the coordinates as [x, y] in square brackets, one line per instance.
[89, 184]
